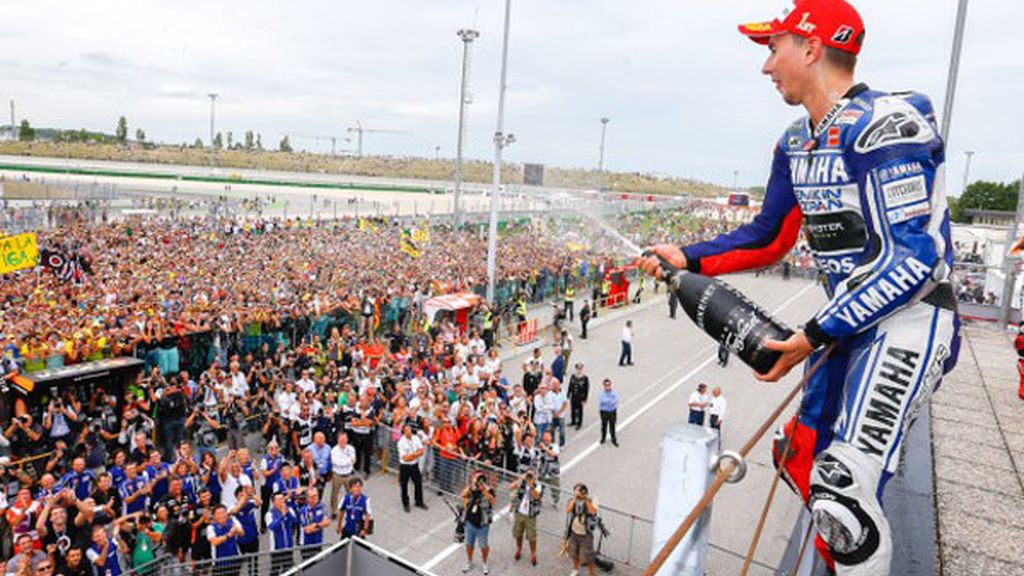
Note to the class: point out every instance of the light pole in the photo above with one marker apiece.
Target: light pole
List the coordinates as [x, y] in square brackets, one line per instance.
[600, 161]
[467, 37]
[967, 169]
[213, 102]
[954, 69]
[735, 179]
[500, 141]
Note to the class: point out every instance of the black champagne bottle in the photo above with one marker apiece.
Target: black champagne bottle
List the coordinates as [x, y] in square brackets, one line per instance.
[728, 316]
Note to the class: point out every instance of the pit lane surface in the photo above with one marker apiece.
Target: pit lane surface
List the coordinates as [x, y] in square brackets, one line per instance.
[671, 357]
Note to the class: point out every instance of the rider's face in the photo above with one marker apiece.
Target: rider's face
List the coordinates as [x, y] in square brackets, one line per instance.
[786, 65]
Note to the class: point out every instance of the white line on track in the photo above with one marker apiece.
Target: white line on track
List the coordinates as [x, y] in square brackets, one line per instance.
[453, 548]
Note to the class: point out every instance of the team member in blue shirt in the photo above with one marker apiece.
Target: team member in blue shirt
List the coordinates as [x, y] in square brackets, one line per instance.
[313, 518]
[224, 533]
[79, 479]
[609, 405]
[103, 551]
[281, 523]
[270, 469]
[245, 511]
[355, 511]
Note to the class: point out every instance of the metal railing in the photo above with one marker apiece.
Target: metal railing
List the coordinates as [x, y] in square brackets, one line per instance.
[264, 563]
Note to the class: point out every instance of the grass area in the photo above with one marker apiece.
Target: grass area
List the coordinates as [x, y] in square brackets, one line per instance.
[380, 166]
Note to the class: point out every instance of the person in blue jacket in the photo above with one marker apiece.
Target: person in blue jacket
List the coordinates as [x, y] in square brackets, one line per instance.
[281, 523]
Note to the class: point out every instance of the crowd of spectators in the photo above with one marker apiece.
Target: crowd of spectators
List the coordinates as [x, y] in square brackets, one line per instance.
[196, 465]
[154, 279]
[193, 466]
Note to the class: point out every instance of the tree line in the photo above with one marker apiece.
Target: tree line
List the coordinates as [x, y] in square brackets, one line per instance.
[252, 141]
[984, 195]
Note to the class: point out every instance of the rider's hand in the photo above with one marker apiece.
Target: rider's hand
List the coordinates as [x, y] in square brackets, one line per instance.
[672, 254]
[794, 350]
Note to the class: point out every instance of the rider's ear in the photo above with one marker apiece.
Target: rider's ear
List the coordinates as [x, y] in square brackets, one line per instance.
[813, 49]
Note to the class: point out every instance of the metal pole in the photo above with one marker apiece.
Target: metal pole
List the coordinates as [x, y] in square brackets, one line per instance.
[1010, 261]
[467, 37]
[954, 69]
[499, 145]
[213, 101]
[600, 161]
[967, 169]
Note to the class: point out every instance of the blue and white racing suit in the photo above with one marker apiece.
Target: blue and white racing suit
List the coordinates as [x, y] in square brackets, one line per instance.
[867, 185]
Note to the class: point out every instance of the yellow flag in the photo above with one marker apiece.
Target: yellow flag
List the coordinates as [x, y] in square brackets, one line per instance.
[421, 235]
[407, 244]
[18, 252]
[367, 225]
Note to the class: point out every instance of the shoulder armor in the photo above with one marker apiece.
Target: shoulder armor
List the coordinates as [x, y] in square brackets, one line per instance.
[892, 120]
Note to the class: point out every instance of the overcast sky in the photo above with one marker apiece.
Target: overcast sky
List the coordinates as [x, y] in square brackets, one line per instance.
[680, 85]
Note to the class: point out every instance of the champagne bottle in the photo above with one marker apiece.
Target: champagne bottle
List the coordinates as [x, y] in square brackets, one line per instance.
[728, 316]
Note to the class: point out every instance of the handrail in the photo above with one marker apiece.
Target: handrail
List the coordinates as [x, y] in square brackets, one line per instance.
[725, 471]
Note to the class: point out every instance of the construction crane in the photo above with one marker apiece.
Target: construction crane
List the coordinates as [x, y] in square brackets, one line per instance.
[359, 130]
[318, 137]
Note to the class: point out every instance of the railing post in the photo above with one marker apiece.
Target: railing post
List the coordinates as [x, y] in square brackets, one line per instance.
[686, 454]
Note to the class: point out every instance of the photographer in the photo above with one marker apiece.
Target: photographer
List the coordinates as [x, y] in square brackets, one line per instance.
[134, 422]
[548, 465]
[23, 435]
[478, 502]
[234, 414]
[204, 429]
[59, 421]
[172, 408]
[580, 523]
[526, 500]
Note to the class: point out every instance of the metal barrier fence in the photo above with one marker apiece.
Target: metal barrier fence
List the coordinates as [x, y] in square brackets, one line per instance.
[263, 563]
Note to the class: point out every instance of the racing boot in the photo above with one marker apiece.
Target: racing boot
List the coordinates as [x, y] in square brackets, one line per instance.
[847, 513]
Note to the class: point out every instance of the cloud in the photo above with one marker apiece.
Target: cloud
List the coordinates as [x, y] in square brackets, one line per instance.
[682, 89]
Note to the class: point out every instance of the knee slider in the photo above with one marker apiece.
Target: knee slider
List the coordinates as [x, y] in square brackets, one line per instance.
[845, 510]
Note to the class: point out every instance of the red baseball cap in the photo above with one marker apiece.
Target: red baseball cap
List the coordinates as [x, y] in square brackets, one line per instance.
[835, 22]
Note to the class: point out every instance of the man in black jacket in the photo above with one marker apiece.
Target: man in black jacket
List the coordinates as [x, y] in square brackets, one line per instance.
[579, 388]
[585, 318]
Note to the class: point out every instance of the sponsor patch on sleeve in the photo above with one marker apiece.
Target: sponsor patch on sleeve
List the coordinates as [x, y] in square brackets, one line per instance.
[905, 191]
[849, 117]
[904, 213]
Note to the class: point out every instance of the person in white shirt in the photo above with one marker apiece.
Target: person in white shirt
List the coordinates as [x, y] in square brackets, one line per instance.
[543, 408]
[305, 383]
[716, 410]
[698, 403]
[285, 399]
[343, 461]
[410, 452]
[239, 385]
[560, 405]
[231, 477]
[626, 356]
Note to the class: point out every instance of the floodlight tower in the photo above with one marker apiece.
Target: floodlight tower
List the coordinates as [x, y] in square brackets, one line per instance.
[213, 105]
[465, 98]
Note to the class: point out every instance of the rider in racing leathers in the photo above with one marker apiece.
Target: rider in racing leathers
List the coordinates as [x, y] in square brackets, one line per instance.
[864, 175]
